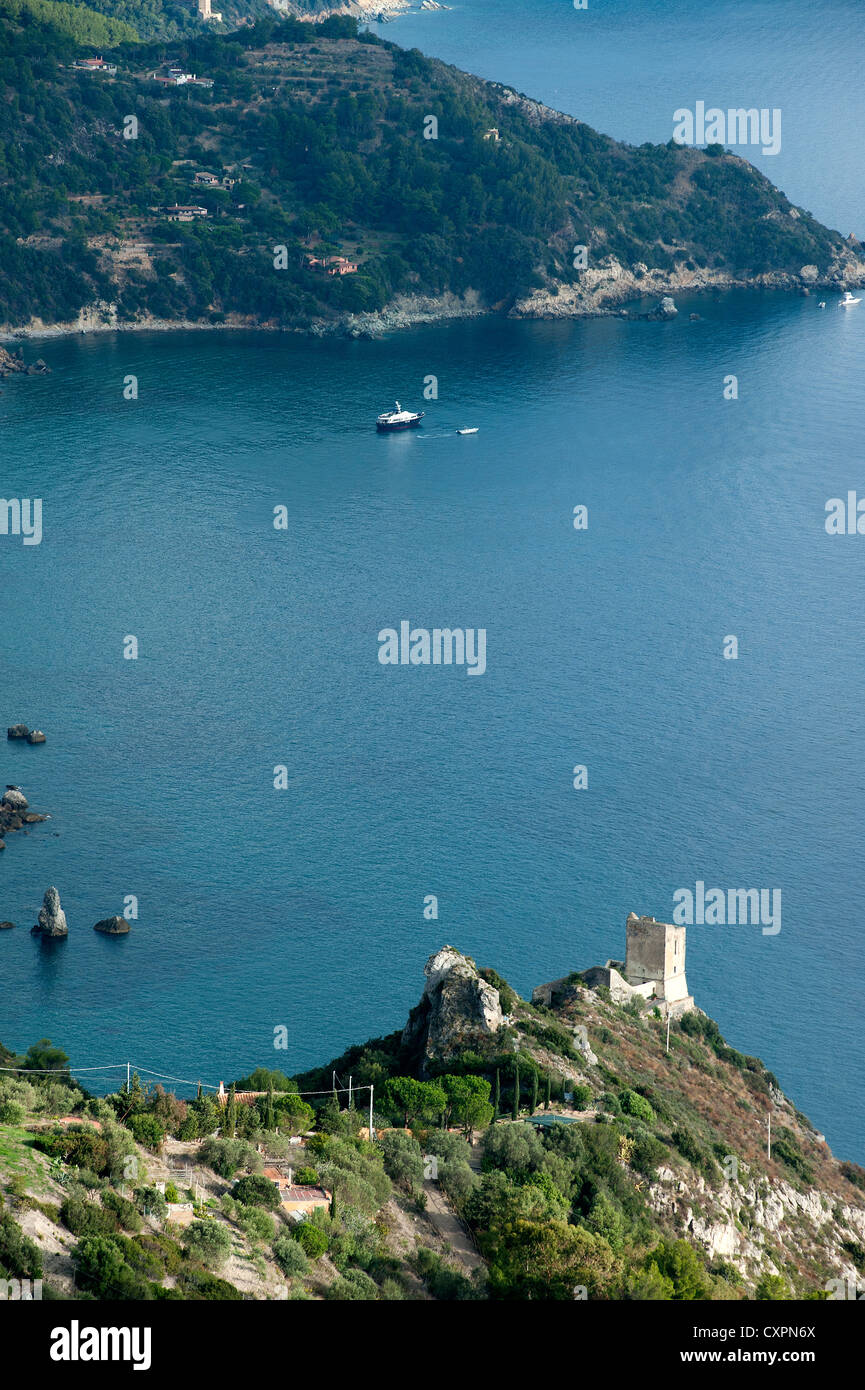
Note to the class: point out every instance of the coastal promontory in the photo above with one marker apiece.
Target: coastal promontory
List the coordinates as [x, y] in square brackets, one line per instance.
[311, 176]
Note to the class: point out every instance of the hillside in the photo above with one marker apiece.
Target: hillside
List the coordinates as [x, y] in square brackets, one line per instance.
[522, 1151]
[309, 145]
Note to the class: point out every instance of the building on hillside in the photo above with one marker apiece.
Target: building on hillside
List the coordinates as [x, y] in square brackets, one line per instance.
[492, 134]
[653, 969]
[204, 179]
[205, 12]
[333, 265]
[176, 77]
[94, 65]
[240, 1097]
[180, 213]
[298, 1200]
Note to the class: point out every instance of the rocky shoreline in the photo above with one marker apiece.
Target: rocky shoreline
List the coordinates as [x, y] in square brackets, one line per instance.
[602, 291]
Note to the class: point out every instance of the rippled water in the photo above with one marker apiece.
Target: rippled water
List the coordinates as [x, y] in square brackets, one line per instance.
[258, 648]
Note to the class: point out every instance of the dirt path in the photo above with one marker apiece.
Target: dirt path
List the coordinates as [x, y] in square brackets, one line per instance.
[448, 1226]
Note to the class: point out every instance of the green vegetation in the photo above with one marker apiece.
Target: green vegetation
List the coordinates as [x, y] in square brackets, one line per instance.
[556, 1211]
[81, 23]
[319, 132]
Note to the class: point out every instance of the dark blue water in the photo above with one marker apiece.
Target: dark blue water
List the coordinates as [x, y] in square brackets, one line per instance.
[303, 907]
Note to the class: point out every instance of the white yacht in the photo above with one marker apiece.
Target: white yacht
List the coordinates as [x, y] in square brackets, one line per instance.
[848, 300]
[398, 419]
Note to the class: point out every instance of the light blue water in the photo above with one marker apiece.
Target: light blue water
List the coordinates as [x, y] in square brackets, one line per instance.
[303, 907]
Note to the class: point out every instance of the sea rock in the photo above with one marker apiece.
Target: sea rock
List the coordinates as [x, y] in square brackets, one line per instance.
[112, 926]
[17, 731]
[35, 736]
[6, 926]
[14, 800]
[667, 307]
[52, 918]
[809, 274]
[457, 1006]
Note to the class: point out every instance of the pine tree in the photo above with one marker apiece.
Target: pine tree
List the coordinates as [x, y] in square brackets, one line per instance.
[516, 1090]
[498, 1094]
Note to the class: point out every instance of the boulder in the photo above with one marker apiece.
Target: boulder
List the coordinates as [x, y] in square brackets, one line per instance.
[14, 800]
[35, 736]
[6, 926]
[52, 918]
[112, 926]
[457, 1006]
[667, 307]
[17, 731]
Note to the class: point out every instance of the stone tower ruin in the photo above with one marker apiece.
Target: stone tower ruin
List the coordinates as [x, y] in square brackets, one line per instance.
[655, 954]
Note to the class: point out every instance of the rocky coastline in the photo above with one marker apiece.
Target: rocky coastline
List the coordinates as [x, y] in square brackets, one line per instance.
[603, 291]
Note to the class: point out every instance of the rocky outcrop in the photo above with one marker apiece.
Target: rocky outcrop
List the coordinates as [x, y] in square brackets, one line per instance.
[457, 1007]
[12, 362]
[112, 926]
[742, 1221]
[605, 286]
[14, 814]
[317, 10]
[6, 926]
[405, 311]
[29, 735]
[52, 918]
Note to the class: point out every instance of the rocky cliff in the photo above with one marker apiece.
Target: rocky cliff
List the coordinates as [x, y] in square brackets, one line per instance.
[458, 1008]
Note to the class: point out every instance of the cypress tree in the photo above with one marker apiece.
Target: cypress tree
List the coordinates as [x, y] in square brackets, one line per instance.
[269, 1119]
[498, 1094]
[547, 1096]
[534, 1091]
[231, 1112]
[516, 1090]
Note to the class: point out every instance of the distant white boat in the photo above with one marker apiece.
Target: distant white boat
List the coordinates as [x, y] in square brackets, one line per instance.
[398, 419]
[474, 429]
[848, 300]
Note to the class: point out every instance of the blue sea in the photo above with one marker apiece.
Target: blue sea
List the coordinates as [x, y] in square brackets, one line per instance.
[302, 907]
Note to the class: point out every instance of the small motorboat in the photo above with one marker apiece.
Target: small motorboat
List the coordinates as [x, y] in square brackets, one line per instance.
[472, 430]
[848, 300]
[822, 304]
[398, 419]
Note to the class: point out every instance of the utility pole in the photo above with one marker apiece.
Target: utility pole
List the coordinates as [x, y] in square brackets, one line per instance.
[349, 1092]
[371, 1130]
[128, 1083]
[668, 1029]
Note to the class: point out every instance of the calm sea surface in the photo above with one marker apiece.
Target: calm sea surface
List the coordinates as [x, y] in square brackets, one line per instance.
[303, 907]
